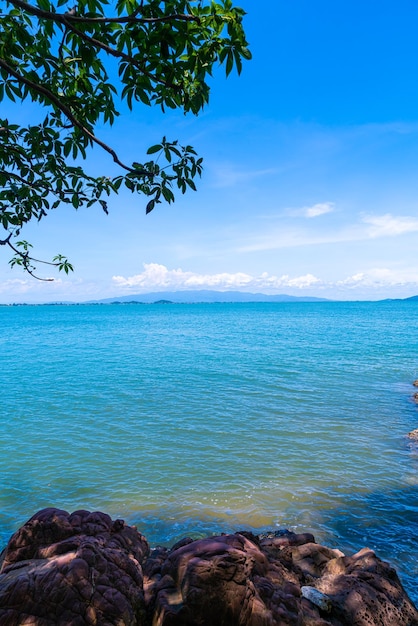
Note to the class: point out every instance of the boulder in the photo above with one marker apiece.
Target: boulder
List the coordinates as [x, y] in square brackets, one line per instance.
[83, 569]
[73, 570]
[364, 590]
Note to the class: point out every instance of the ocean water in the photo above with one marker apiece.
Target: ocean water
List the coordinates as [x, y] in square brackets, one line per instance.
[202, 418]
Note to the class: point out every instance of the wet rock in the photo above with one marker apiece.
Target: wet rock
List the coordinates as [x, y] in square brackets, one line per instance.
[285, 538]
[84, 569]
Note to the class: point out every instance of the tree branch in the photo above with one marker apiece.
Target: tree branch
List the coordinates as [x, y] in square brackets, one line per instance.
[35, 185]
[6, 242]
[66, 20]
[27, 260]
[116, 53]
[129, 19]
[71, 117]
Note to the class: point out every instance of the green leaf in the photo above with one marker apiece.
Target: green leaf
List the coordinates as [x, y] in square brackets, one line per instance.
[154, 149]
[150, 206]
[229, 62]
[44, 5]
[191, 184]
[168, 194]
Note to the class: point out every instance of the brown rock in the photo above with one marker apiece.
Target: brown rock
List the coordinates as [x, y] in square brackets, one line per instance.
[77, 569]
[209, 581]
[312, 558]
[84, 569]
[235, 581]
[365, 590]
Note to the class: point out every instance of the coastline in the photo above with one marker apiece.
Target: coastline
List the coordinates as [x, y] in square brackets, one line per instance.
[85, 568]
[282, 416]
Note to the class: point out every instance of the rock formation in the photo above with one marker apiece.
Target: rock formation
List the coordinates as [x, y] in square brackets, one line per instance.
[83, 569]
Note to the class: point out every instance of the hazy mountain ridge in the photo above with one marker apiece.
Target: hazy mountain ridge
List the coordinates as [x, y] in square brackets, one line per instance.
[204, 295]
[199, 296]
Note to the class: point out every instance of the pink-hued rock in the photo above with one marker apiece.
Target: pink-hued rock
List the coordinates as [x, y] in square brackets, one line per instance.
[73, 570]
[362, 586]
[209, 581]
[240, 580]
[84, 569]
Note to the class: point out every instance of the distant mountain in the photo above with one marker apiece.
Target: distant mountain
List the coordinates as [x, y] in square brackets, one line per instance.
[189, 297]
[410, 299]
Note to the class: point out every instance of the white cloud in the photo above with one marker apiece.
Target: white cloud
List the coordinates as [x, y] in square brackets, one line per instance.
[280, 238]
[57, 290]
[156, 276]
[303, 281]
[16, 286]
[321, 208]
[228, 175]
[223, 280]
[381, 277]
[364, 228]
[389, 225]
[371, 283]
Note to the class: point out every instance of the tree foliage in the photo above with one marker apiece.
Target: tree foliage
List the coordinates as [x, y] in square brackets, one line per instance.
[79, 64]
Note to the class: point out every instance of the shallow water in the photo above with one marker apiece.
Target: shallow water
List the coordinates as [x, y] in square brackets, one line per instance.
[189, 419]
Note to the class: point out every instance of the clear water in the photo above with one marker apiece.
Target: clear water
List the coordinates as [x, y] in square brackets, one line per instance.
[195, 419]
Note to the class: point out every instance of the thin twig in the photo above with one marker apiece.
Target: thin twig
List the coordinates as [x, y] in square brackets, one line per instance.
[28, 259]
[6, 242]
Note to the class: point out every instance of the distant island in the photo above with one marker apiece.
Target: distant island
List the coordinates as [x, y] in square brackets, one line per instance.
[203, 296]
[211, 296]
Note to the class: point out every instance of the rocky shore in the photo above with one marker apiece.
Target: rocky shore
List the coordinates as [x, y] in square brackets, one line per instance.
[85, 569]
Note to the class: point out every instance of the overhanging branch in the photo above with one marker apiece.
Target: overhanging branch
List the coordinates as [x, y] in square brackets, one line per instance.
[41, 89]
[129, 19]
[117, 53]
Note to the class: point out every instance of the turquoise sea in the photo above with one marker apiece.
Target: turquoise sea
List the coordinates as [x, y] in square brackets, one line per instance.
[187, 419]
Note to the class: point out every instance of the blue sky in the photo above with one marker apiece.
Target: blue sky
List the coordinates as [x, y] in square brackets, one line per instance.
[310, 184]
